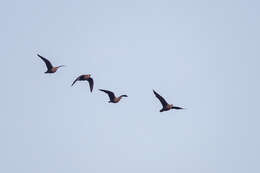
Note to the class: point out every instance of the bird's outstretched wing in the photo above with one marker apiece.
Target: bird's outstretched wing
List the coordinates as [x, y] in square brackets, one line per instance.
[110, 94]
[76, 80]
[46, 61]
[176, 107]
[91, 84]
[162, 100]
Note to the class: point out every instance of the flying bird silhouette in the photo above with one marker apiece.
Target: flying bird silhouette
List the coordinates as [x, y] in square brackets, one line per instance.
[85, 77]
[112, 97]
[50, 67]
[165, 105]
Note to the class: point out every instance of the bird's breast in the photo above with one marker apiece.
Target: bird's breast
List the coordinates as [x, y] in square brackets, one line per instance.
[54, 69]
[169, 107]
[117, 99]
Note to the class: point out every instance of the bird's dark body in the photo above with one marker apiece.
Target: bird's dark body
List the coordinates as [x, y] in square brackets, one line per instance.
[112, 97]
[85, 78]
[166, 106]
[50, 67]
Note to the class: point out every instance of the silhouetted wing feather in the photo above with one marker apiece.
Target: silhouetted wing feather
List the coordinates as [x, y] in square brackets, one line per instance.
[176, 107]
[47, 62]
[76, 80]
[162, 100]
[91, 83]
[110, 94]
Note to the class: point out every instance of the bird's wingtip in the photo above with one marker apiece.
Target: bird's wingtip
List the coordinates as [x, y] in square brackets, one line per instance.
[40, 56]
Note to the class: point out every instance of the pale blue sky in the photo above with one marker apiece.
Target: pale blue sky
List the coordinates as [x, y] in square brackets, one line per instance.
[202, 55]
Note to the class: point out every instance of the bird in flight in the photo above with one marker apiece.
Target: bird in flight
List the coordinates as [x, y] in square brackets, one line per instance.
[112, 97]
[50, 67]
[165, 105]
[85, 77]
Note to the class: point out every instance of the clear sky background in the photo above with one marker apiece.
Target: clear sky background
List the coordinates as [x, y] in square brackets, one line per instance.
[202, 55]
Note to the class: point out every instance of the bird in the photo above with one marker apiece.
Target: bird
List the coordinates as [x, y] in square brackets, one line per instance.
[112, 97]
[166, 106]
[50, 67]
[83, 78]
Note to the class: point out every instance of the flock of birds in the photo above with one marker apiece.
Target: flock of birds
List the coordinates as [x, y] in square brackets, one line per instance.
[112, 98]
